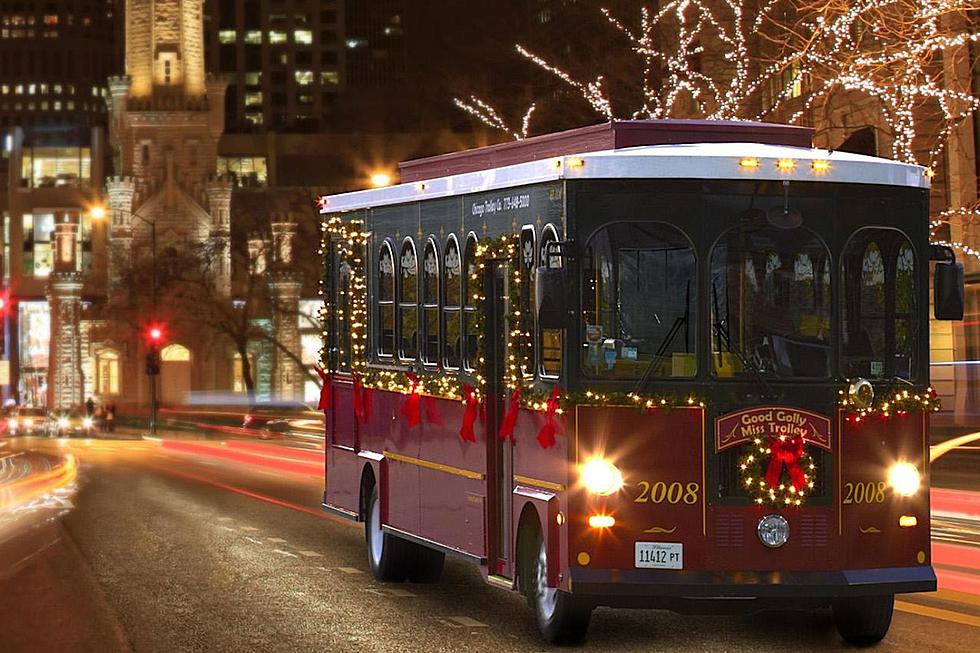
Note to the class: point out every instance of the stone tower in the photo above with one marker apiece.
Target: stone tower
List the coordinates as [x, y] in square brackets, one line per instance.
[166, 118]
[65, 381]
[285, 285]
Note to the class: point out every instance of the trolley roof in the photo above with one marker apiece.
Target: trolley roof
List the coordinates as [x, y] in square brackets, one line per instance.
[692, 160]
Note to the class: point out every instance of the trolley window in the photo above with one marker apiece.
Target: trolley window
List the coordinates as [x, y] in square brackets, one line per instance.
[408, 297]
[770, 303]
[453, 275]
[386, 301]
[344, 343]
[639, 303]
[528, 265]
[880, 309]
[472, 290]
[550, 339]
[430, 304]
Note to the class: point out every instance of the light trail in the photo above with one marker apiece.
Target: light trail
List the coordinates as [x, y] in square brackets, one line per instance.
[936, 451]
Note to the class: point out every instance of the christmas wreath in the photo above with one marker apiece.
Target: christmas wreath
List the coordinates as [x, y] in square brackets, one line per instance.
[777, 470]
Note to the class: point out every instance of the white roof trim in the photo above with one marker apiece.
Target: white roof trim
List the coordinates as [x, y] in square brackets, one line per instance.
[693, 161]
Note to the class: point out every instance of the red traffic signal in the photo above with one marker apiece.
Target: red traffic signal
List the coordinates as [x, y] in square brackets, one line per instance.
[156, 334]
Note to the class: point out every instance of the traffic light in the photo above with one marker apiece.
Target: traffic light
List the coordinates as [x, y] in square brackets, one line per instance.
[153, 362]
[156, 335]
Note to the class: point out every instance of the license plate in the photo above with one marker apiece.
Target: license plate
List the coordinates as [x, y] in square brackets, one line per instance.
[659, 555]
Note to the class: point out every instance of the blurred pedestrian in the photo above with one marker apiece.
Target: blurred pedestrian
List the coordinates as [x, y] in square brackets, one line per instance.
[110, 418]
[100, 417]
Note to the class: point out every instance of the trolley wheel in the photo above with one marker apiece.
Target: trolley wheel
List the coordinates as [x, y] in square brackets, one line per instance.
[387, 554]
[562, 618]
[864, 620]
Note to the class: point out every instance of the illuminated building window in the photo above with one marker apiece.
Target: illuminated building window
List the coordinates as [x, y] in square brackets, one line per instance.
[5, 89]
[253, 37]
[245, 170]
[57, 89]
[227, 36]
[57, 105]
[71, 89]
[50, 19]
[34, 326]
[19, 89]
[303, 36]
[32, 89]
[254, 118]
[276, 36]
[253, 79]
[107, 373]
[43, 89]
[175, 353]
[166, 72]
[304, 99]
[38, 234]
[44, 105]
[329, 77]
[95, 89]
[238, 376]
[70, 105]
[303, 77]
[253, 99]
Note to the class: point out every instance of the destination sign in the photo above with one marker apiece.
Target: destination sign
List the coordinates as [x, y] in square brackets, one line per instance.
[771, 421]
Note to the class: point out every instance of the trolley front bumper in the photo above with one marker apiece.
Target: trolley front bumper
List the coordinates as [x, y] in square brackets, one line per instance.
[609, 586]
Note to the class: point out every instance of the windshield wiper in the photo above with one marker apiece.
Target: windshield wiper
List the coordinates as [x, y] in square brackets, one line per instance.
[722, 335]
[665, 345]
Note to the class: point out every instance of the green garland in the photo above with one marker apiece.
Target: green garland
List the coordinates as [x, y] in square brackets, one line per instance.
[899, 402]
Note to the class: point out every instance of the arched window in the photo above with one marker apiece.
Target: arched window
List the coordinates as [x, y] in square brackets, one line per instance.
[770, 302]
[880, 305]
[453, 275]
[639, 300]
[430, 303]
[343, 316]
[408, 302]
[549, 339]
[385, 330]
[471, 289]
[107, 373]
[175, 354]
[526, 299]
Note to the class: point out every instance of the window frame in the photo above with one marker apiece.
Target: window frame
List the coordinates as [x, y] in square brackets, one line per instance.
[402, 308]
[379, 350]
[543, 241]
[528, 359]
[468, 311]
[454, 311]
[426, 306]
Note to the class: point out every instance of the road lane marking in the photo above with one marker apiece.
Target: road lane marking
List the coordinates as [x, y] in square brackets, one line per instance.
[229, 528]
[249, 528]
[349, 570]
[466, 622]
[253, 540]
[405, 594]
[285, 553]
[938, 613]
[311, 554]
[276, 540]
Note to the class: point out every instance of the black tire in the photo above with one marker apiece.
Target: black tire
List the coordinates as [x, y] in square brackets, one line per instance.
[864, 620]
[388, 555]
[562, 618]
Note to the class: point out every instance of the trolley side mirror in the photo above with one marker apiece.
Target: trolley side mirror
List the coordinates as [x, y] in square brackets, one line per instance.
[948, 291]
[551, 297]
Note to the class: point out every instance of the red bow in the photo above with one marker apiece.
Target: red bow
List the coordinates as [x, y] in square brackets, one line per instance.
[362, 401]
[510, 418]
[785, 452]
[411, 408]
[469, 415]
[546, 436]
[324, 402]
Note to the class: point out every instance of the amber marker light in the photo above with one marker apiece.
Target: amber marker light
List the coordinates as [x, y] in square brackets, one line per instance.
[820, 166]
[785, 164]
[575, 163]
[908, 521]
[929, 173]
[749, 163]
[602, 521]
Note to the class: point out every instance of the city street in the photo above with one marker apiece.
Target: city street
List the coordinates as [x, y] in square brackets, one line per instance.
[165, 551]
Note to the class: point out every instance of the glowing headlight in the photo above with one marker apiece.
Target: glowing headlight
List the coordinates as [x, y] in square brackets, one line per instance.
[601, 476]
[87, 423]
[28, 423]
[904, 479]
[12, 422]
[62, 422]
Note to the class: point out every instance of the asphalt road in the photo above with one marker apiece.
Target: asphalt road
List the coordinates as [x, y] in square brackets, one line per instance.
[164, 552]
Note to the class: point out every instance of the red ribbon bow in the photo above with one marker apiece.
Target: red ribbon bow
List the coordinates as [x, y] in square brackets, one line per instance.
[362, 401]
[469, 415]
[411, 409]
[510, 418]
[546, 436]
[324, 402]
[786, 452]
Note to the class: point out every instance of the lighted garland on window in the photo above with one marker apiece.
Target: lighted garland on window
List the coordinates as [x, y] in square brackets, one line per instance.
[352, 240]
[900, 403]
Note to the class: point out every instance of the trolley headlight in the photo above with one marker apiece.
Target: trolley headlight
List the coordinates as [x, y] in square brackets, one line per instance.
[861, 392]
[904, 479]
[601, 477]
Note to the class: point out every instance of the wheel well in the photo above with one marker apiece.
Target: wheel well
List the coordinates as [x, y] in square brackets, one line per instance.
[527, 526]
[367, 483]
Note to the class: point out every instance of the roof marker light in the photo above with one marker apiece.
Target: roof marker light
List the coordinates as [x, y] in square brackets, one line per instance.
[420, 186]
[785, 164]
[576, 163]
[556, 163]
[820, 165]
[929, 173]
[749, 163]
